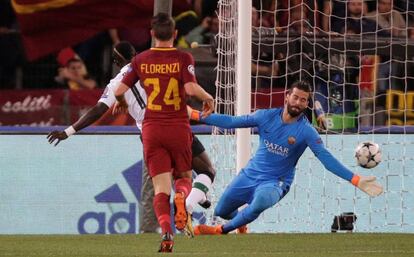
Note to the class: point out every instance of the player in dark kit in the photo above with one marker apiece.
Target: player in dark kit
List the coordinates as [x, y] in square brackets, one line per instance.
[167, 75]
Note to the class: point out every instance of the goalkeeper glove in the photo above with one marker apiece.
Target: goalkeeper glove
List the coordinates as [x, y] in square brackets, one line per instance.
[194, 114]
[367, 184]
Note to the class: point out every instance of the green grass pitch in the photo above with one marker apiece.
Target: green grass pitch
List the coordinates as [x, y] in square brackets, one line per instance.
[286, 245]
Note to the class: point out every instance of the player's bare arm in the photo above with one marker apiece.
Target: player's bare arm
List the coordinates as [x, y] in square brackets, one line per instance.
[91, 116]
[121, 106]
[194, 89]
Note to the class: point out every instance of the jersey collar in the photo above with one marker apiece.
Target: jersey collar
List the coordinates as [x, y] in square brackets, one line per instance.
[163, 48]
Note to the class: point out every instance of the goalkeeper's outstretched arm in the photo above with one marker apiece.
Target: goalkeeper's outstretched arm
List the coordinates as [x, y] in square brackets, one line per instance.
[367, 184]
[226, 121]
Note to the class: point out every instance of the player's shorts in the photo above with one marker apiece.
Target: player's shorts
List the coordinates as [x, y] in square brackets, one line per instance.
[167, 148]
[197, 147]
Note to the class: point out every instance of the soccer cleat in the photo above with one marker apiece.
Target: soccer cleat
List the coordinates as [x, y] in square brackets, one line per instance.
[208, 230]
[206, 204]
[242, 230]
[188, 229]
[181, 214]
[167, 243]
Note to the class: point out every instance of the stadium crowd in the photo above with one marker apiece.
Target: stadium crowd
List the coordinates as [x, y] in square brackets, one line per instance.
[88, 64]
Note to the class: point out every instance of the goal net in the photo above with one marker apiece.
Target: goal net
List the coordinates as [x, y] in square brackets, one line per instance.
[358, 57]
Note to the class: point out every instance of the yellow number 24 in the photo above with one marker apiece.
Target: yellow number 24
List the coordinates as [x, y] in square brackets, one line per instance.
[171, 96]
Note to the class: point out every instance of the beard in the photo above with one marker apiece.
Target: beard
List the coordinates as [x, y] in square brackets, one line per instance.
[294, 111]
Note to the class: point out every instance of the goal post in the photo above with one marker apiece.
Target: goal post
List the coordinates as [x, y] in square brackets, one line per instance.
[243, 79]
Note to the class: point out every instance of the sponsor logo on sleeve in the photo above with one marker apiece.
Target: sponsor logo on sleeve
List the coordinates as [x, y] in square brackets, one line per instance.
[105, 93]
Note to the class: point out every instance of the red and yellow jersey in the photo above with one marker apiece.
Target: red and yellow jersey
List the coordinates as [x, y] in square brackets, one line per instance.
[162, 73]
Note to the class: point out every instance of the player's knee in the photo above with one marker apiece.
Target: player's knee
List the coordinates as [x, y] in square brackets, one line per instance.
[221, 212]
[209, 172]
[186, 174]
[218, 211]
[262, 202]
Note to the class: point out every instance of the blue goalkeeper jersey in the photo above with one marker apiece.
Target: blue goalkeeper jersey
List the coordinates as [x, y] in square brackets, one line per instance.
[281, 145]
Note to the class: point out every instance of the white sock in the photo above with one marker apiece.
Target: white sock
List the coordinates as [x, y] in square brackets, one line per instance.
[201, 185]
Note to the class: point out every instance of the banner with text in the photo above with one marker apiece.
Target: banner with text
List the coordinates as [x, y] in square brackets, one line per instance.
[39, 108]
[32, 107]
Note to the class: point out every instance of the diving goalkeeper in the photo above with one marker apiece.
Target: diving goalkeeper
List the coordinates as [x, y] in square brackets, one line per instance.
[284, 134]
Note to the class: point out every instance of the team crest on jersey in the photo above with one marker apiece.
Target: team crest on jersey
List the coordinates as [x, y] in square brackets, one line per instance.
[191, 69]
[291, 140]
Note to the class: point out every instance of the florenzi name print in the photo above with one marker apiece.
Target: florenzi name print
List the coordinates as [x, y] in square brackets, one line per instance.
[162, 68]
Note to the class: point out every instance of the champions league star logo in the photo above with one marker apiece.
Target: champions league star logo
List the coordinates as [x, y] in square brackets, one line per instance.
[191, 69]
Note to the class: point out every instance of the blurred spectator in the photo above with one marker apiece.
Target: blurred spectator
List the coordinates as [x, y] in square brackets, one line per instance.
[367, 83]
[205, 32]
[404, 5]
[185, 22]
[299, 16]
[139, 37]
[388, 19]
[330, 7]
[11, 53]
[65, 55]
[93, 52]
[267, 12]
[338, 13]
[336, 83]
[8, 21]
[410, 62]
[205, 8]
[75, 75]
[264, 65]
[354, 21]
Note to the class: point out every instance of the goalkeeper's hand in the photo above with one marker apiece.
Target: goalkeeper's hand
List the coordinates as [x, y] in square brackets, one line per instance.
[368, 185]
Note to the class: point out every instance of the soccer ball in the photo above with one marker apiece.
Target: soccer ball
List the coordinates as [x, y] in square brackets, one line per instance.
[368, 154]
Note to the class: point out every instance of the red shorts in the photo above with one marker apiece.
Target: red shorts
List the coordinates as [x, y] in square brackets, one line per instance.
[167, 148]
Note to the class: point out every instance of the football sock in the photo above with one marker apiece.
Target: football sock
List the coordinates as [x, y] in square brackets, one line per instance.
[183, 185]
[201, 185]
[162, 210]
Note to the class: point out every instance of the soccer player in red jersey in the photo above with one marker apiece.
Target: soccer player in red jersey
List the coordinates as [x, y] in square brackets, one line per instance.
[167, 75]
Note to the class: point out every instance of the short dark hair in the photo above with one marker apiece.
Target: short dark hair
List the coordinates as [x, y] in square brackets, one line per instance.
[163, 26]
[125, 50]
[302, 85]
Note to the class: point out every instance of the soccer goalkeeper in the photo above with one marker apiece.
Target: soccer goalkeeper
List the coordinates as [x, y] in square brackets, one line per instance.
[284, 135]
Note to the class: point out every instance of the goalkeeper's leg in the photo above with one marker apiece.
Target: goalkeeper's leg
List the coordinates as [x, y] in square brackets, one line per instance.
[265, 196]
[238, 193]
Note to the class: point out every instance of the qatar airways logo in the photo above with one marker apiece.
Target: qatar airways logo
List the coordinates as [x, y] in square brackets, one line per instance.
[276, 149]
